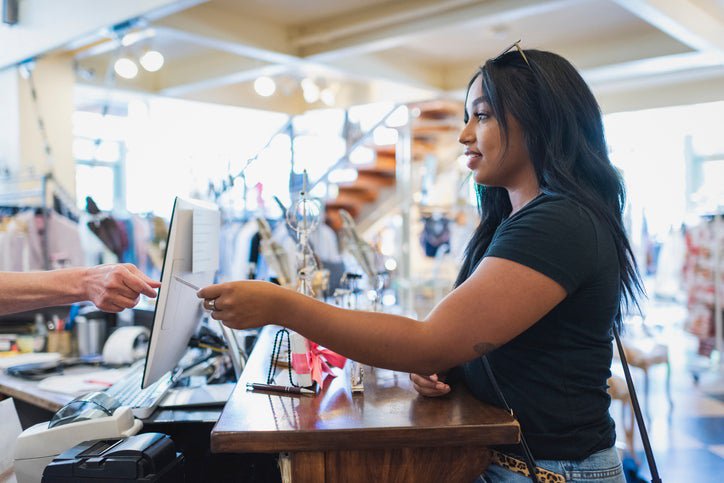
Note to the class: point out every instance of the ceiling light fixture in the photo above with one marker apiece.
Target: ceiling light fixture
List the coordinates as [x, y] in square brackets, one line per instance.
[265, 86]
[152, 60]
[126, 68]
[328, 96]
[310, 90]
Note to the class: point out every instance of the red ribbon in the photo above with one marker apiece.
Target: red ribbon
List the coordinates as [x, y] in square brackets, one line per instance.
[317, 361]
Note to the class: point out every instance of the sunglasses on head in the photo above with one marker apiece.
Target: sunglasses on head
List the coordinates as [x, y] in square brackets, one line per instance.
[515, 45]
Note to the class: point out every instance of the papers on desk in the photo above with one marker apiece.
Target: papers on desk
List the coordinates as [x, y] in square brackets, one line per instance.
[29, 358]
[79, 384]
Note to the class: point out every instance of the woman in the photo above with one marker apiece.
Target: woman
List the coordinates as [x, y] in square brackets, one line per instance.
[111, 288]
[543, 280]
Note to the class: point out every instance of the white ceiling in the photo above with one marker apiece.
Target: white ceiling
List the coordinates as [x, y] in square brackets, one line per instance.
[406, 50]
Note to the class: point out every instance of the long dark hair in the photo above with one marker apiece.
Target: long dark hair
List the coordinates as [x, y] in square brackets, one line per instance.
[563, 132]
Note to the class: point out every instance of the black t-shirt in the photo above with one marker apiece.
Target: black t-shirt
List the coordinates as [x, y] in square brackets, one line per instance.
[554, 374]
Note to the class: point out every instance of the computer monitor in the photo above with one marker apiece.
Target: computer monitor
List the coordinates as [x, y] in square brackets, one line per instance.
[191, 260]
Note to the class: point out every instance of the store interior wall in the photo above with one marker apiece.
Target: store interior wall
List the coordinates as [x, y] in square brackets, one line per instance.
[9, 125]
[54, 81]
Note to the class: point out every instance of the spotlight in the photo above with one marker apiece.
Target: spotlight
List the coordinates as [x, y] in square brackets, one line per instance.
[328, 97]
[310, 90]
[152, 60]
[265, 86]
[126, 68]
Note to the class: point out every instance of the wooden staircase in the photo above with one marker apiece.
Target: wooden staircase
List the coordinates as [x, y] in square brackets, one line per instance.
[376, 180]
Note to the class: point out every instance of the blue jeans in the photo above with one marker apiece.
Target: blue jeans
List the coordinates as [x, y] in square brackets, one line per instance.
[601, 467]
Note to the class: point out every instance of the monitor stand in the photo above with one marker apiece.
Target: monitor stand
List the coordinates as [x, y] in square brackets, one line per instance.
[234, 352]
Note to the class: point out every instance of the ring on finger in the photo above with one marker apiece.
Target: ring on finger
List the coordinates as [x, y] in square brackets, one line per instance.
[212, 304]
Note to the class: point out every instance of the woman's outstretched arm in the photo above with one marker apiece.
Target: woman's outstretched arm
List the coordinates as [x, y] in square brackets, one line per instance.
[498, 302]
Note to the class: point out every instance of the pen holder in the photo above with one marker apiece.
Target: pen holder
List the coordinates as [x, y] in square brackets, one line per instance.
[60, 342]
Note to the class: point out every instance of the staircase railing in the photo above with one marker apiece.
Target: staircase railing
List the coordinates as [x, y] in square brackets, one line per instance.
[344, 159]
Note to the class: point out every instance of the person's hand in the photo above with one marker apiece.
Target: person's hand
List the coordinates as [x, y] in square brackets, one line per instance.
[115, 287]
[430, 386]
[243, 305]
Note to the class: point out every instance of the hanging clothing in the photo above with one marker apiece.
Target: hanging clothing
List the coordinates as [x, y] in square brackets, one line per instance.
[435, 234]
[240, 267]
[704, 280]
[64, 241]
[14, 248]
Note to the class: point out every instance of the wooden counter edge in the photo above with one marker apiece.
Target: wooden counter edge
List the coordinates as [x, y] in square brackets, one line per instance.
[277, 442]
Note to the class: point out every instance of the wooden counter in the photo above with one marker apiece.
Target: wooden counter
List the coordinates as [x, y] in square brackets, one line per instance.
[388, 433]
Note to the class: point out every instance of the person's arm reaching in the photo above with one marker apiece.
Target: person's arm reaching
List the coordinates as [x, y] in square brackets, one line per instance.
[498, 302]
[111, 288]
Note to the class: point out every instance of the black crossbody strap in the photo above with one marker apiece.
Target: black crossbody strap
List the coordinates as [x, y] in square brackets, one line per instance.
[523, 444]
[637, 409]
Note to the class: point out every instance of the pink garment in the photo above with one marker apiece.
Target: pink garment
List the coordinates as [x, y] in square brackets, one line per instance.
[64, 245]
[64, 241]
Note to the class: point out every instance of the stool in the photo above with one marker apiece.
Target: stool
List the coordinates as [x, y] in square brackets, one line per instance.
[618, 390]
[645, 353]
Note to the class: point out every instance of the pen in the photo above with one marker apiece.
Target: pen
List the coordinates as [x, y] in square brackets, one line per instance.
[188, 284]
[256, 386]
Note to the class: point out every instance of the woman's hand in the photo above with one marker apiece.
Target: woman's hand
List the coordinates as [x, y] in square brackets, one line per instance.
[430, 386]
[115, 287]
[243, 305]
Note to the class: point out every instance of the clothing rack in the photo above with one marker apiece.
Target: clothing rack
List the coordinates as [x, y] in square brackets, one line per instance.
[36, 192]
[704, 284]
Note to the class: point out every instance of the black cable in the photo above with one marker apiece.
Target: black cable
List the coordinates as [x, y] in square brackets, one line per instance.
[637, 411]
[529, 460]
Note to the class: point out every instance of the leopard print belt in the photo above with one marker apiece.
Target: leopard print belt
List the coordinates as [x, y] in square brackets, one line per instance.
[519, 466]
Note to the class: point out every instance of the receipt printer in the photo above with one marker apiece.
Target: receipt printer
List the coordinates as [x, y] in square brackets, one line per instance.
[150, 457]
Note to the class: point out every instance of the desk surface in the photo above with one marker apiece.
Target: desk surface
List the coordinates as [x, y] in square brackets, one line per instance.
[29, 392]
[388, 414]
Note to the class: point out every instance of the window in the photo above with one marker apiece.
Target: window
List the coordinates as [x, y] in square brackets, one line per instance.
[99, 151]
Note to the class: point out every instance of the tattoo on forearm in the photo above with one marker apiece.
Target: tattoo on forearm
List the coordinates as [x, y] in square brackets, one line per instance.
[483, 348]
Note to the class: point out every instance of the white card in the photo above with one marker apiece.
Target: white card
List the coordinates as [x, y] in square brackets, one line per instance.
[205, 236]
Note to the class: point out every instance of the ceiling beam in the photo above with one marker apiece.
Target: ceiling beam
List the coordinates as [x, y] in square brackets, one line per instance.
[223, 30]
[651, 67]
[681, 19]
[381, 66]
[382, 28]
[366, 19]
[194, 73]
[663, 70]
[113, 41]
[49, 25]
[184, 87]
[229, 32]
[681, 89]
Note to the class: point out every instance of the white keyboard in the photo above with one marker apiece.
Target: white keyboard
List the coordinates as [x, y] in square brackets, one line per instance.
[142, 402]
